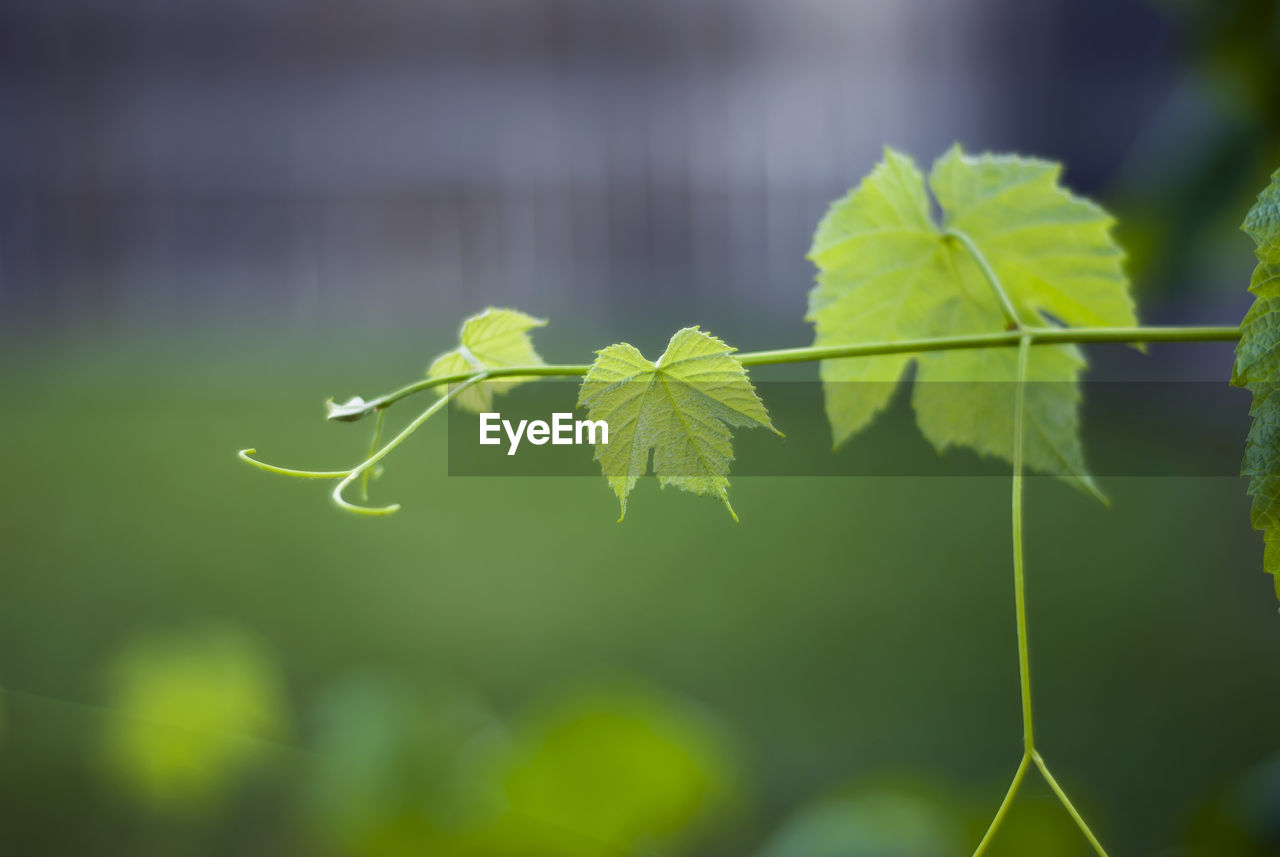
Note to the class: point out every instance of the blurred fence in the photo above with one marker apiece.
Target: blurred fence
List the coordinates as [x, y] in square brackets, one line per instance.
[180, 158]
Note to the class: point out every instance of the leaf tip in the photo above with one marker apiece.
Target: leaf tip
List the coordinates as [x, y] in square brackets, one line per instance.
[729, 506]
[1094, 491]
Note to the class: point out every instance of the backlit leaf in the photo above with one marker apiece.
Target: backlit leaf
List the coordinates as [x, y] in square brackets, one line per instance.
[489, 340]
[680, 409]
[889, 271]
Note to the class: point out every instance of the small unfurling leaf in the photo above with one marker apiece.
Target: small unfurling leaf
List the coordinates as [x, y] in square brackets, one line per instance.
[347, 412]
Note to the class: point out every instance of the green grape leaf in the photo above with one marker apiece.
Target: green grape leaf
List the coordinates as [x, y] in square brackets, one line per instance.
[1257, 361]
[888, 270]
[680, 408]
[489, 340]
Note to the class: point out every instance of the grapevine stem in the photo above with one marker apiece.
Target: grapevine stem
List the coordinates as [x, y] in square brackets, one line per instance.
[810, 354]
[545, 370]
[1001, 339]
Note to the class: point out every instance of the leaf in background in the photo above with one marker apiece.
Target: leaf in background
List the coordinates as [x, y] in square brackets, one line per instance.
[888, 271]
[1257, 358]
[188, 707]
[681, 408]
[615, 769]
[489, 340]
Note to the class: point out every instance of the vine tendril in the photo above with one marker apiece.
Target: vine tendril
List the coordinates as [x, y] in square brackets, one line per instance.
[364, 468]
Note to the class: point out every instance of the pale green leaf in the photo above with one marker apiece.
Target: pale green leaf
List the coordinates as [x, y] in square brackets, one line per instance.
[1257, 359]
[889, 271]
[489, 340]
[347, 412]
[680, 409]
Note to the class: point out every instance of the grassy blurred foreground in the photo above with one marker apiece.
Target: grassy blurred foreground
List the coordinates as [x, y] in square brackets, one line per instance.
[198, 658]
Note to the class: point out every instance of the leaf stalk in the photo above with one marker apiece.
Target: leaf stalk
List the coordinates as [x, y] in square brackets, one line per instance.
[988, 272]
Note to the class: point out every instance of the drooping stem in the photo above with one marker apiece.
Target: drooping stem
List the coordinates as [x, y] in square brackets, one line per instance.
[1029, 752]
[1019, 594]
[1019, 583]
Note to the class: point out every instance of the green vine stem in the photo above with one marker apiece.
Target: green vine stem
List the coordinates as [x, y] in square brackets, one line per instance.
[813, 354]
[1019, 582]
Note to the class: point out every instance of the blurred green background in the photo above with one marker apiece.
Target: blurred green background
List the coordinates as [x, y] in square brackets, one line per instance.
[202, 658]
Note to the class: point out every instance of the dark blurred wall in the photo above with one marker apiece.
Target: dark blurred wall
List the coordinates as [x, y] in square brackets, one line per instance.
[311, 160]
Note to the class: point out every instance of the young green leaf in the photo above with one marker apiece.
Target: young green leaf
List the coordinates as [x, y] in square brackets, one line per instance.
[347, 412]
[681, 408]
[1257, 359]
[889, 271]
[489, 340]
